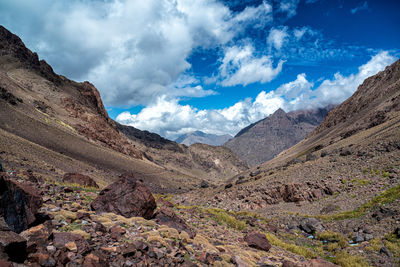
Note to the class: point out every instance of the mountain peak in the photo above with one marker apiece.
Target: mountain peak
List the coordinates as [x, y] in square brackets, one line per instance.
[263, 140]
[279, 112]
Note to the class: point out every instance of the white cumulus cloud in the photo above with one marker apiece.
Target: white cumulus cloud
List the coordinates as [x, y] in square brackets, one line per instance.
[240, 65]
[277, 37]
[133, 51]
[171, 119]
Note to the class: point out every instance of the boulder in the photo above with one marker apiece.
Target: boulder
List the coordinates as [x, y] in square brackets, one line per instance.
[258, 241]
[64, 239]
[19, 203]
[127, 197]
[166, 216]
[311, 225]
[77, 178]
[37, 236]
[12, 245]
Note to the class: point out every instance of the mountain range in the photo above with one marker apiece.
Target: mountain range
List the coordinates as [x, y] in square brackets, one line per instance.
[203, 138]
[79, 189]
[263, 140]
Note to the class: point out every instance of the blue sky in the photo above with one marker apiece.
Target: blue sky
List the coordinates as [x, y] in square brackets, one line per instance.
[175, 66]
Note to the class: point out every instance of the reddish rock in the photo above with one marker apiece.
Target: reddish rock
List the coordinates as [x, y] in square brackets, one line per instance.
[77, 178]
[94, 260]
[19, 203]
[258, 241]
[290, 193]
[61, 239]
[287, 263]
[116, 232]
[127, 197]
[4, 263]
[166, 216]
[319, 263]
[37, 236]
[12, 245]
[43, 259]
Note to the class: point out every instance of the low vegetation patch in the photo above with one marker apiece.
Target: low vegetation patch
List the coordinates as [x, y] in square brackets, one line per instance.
[386, 197]
[345, 259]
[332, 237]
[223, 216]
[305, 252]
[392, 243]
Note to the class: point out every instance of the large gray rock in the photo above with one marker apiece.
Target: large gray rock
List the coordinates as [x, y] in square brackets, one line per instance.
[311, 225]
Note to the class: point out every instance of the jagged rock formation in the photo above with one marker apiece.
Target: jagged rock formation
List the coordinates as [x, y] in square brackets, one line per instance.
[203, 138]
[266, 138]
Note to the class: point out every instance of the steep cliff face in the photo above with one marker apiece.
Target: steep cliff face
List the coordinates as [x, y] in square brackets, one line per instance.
[265, 139]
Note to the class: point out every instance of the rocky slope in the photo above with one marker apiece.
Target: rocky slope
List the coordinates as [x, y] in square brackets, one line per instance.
[266, 138]
[59, 119]
[203, 138]
[345, 176]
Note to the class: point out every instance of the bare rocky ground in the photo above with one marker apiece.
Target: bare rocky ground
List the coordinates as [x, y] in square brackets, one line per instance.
[75, 235]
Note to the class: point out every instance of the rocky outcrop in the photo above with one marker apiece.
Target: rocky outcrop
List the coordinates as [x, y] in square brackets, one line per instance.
[12, 245]
[77, 178]
[128, 197]
[293, 192]
[12, 46]
[258, 241]
[19, 203]
[166, 216]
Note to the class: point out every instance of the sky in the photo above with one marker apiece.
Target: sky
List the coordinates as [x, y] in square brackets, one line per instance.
[176, 66]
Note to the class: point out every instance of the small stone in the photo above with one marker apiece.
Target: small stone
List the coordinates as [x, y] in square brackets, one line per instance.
[368, 237]
[385, 251]
[71, 246]
[358, 238]
[228, 186]
[51, 249]
[204, 184]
